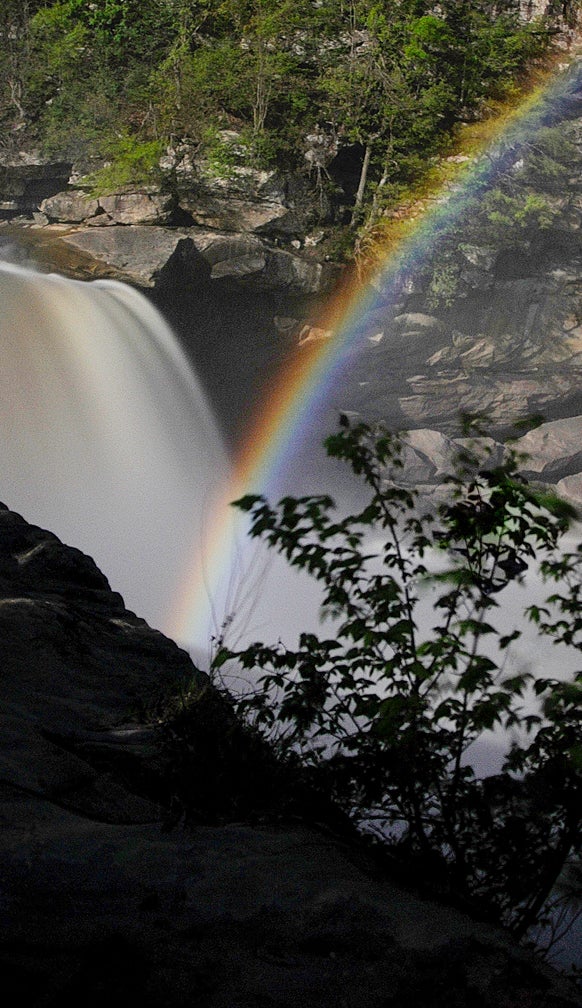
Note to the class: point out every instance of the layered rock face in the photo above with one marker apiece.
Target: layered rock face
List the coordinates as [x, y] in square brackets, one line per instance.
[26, 179]
[246, 224]
[103, 901]
[142, 254]
[551, 458]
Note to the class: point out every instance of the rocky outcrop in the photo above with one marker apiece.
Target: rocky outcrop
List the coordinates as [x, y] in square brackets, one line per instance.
[504, 342]
[26, 178]
[248, 225]
[73, 661]
[70, 207]
[148, 206]
[234, 196]
[140, 254]
[550, 456]
[104, 899]
[553, 451]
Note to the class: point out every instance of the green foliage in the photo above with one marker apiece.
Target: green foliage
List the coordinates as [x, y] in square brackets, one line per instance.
[132, 163]
[388, 712]
[549, 159]
[522, 210]
[443, 286]
[393, 77]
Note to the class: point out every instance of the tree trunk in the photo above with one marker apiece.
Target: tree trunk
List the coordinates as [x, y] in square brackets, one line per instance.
[362, 184]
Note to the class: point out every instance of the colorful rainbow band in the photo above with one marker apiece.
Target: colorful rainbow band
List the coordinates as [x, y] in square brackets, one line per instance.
[284, 416]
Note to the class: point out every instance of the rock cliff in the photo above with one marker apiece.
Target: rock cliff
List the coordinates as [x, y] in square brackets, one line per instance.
[244, 223]
[106, 896]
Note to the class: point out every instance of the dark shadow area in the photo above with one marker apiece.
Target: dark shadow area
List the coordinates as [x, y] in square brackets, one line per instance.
[230, 334]
[345, 168]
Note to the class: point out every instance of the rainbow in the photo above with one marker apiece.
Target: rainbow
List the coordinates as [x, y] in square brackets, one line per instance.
[285, 415]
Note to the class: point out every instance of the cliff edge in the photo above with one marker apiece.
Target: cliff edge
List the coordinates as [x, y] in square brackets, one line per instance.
[106, 896]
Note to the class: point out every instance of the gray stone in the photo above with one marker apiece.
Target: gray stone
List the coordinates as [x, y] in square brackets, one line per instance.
[26, 178]
[310, 334]
[233, 214]
[571, 488]
[237, 197]
[287, 271]
[137, 253]
[71, 206]
[145, 207]
[428, 457]
[553, 450]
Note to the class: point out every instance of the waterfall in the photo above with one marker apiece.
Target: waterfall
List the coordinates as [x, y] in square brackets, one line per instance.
[106, 437]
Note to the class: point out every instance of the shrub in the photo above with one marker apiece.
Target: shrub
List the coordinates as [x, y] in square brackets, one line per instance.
[388, 712]
[132, 162]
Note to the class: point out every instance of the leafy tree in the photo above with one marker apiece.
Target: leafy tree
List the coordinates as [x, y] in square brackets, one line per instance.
[389, 79]
[408, 72]
[15, 18]
[388, 712]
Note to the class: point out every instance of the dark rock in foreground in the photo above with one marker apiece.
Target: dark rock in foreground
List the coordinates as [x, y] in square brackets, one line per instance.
[103, 903]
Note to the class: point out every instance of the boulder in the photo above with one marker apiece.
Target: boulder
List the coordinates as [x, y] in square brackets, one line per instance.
[295, 274]
[230, 213]
[72, 205]
[230, 195]
[235, 256]
[144, 207]
[486, 450]
[571, 488]
[427, 457]
[434, 445]
[553, 450]
[138, 253]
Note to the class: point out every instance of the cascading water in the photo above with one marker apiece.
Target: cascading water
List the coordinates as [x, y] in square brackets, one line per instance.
[106, 437]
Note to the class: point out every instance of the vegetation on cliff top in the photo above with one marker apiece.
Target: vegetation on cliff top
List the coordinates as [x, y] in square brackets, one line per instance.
[382, 81]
